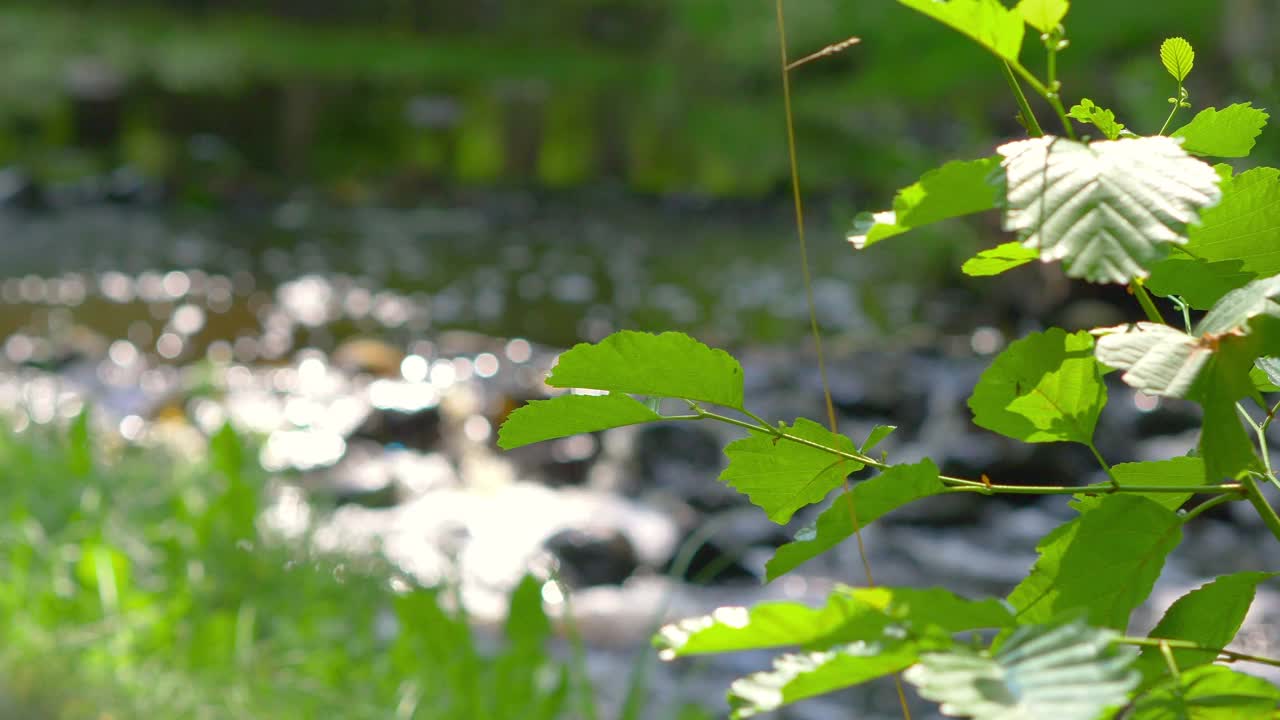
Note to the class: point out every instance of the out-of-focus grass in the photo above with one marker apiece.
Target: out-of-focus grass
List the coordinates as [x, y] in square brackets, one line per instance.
[136, 585]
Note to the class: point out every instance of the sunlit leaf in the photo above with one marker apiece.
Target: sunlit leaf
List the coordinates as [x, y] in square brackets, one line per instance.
[781, 476]
[804, 675]
[1108, 210]
[1043, 15]
[1210, 615]
[1103, 119]
[1237, 241]
[1064, 672]
[955, 189]
[1178, 57]
[1157, 359]
[1174, 471]
[1209, 692]
[851, 614]
[1104, 562]
[868, 501]
[776, 624]
[1046, 387]
[998, 259]
[1230, 132]
[988, 22]
[567, 415]
[668, 365]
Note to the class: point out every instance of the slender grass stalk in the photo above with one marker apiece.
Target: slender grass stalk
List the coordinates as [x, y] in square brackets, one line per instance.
[813, 313]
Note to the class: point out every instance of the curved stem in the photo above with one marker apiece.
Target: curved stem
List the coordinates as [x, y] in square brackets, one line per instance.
[1223, 654]
[1029, 120]
[1206, 506]
[1177, 102]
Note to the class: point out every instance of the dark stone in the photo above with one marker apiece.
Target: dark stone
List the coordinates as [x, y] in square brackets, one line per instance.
[712, 564]
[588, 558]
[684, 461]
[18, 191]
[419, 429]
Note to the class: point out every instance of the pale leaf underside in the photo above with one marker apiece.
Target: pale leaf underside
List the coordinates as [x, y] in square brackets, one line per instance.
[1107, 210]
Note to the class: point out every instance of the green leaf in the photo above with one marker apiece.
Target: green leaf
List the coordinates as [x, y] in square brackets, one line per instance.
[1224, 443]
[846, 617]
[1178, 57]
[805, 675]
[1237, 241]
[668, 365]
[955, 189]
[989, 23]
[1109, 209]
[851, 614]
[941, 608]
[870, 499]
[1270, 368]
[527, 626]
[1105, 561]
[781, 476]
[1209, 692]
[1103, 119]
[876, 436]
[1043, 15]
[1209, 615]
[1174, 471]
[1064, 672]
[998, 259]
[1230, 132]
[1046, 387]
[567, 415]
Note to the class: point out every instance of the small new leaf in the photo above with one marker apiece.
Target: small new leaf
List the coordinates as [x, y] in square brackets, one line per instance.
[1043, 15]
[1100, 117]
[1178, 57]
[1108, 210]
[1046, 387]
[955, 189]
[567, 415]
[998, 259]
[670, 365]
[782, 476]
[1065, 672]
[1230, 132]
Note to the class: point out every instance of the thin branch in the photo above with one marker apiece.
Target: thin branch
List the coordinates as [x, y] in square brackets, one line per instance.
[1224, 655]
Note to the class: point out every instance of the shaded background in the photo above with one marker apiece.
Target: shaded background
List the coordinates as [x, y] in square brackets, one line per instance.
[360, 232]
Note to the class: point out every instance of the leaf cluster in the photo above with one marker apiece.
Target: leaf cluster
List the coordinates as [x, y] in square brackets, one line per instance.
[1144, 211]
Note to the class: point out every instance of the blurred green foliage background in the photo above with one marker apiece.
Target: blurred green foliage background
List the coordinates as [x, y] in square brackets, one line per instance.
[656, 96]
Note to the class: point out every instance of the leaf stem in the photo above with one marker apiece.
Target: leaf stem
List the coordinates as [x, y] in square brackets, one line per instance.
[1177, 103]
[1144, 299]
[1206, 506]
[1223, 654]
[1029, 120]
[1105, 488]
[1103, 462]
[960, 484]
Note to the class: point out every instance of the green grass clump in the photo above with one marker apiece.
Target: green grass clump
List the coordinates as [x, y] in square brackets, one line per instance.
[135, 584]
